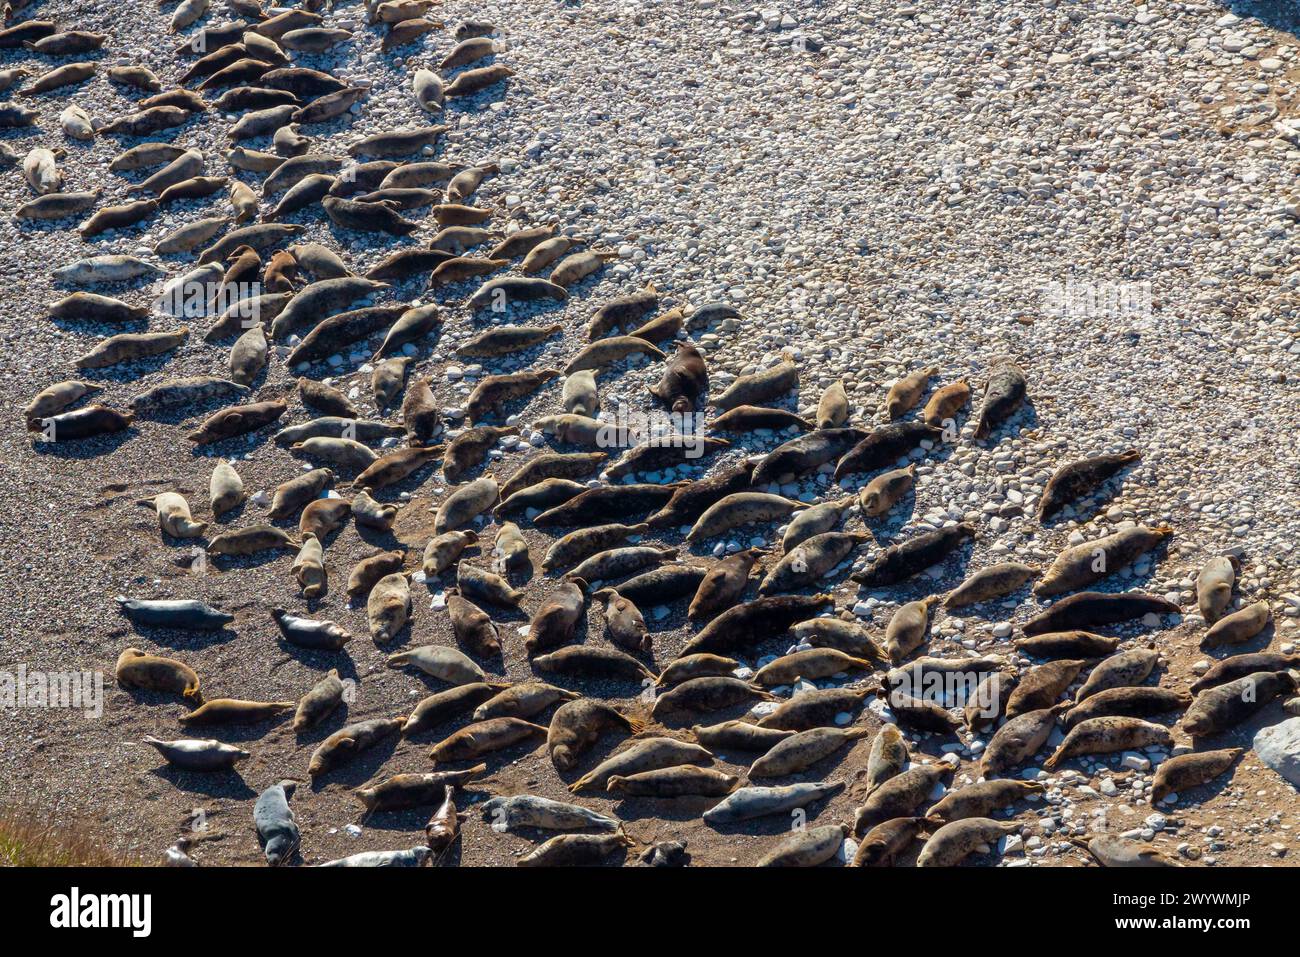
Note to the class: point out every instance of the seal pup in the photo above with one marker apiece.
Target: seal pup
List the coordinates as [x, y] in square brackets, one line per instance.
[411, 857]
[748, 803]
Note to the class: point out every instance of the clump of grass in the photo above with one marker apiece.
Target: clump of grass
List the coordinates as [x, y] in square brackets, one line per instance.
[28, 840]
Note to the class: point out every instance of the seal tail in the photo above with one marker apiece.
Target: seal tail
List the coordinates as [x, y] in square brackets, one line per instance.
[634, 725]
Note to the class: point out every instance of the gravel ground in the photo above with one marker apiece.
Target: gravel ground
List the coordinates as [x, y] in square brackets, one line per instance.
[877, 186]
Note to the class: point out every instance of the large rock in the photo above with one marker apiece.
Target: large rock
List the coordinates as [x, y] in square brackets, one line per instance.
[1279, 747]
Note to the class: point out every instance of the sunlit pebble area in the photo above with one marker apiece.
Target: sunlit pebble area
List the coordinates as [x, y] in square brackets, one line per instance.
[877, 186]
